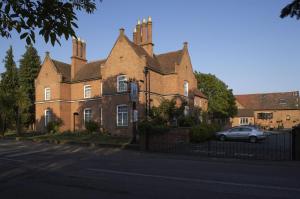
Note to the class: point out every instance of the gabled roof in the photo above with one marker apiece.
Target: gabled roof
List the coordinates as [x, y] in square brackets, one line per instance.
[245, 113]
[162, 63]
[168, 60]
[199, 94]
[64, 69]
[90, 70]
[270, 101]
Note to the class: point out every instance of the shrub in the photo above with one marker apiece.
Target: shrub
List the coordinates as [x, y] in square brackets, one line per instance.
[53, 126]
[186, 121]
[151, 127]
[92, 126]
[203, 132]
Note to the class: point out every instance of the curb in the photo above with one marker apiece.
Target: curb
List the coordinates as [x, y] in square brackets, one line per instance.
[84, 144]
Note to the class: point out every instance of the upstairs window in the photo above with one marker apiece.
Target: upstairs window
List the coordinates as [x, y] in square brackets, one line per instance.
[122, 115]
[47, 93]
[47, 116]
[87, 115]
[186, 88]
[121, 83]
[87, 91]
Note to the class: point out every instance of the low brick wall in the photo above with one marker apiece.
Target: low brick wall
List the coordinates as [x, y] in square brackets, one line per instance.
[166, 140]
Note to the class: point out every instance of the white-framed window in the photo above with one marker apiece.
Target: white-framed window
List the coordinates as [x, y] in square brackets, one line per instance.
[87, 91]
[87, 115]
[47, 116]
[121, 83]
[186, 88]
[244, 121]
[47, 93]
[122, 115]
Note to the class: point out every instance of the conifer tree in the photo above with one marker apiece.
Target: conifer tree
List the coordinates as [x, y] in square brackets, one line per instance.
[9, 86]
[29, 68]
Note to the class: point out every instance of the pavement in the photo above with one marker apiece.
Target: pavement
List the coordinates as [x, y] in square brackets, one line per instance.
[41, 170]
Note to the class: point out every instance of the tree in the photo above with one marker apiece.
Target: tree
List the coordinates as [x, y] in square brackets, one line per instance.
[13, 95]
[9, 86]
[221, 101]
[292, 9]
[53, 18]
[29, 67]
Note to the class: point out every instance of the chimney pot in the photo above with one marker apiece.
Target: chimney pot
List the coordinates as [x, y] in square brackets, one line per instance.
[138, 22]
[185, 44]
[122, 31]
[144, 20]
[149, 19]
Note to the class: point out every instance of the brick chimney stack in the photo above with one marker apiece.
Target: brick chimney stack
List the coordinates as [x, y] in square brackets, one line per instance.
[138, 32]
[142, 35]
[78, 56]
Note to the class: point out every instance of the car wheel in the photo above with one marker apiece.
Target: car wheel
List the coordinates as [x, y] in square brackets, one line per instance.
[222, 138]
[252, 139]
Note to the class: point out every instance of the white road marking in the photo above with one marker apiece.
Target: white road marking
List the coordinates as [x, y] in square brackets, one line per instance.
[27, 153]
[246, 185]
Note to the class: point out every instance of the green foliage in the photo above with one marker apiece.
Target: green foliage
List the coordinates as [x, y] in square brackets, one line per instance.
[292, 10]
[151, 127]
[221, 101]
[92, 126]
[13, 96]
[53, 126]
[203, 132]
[29, 68]
[53, 18]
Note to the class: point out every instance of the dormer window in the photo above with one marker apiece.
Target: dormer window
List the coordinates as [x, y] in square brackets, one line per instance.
[87, 91]
[47, 93]
[121, 83]
[186, 88]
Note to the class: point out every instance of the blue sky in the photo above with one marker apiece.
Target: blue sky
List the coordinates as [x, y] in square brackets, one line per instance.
[243, 42]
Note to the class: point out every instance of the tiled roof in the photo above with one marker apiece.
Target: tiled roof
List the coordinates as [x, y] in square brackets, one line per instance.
[91, 70]
[168, 60]
[199, 93]
[269, 101]
[64, 69]
[163, 63]
[245, 113]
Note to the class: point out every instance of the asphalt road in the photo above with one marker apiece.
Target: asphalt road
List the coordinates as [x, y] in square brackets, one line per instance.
[39, 170]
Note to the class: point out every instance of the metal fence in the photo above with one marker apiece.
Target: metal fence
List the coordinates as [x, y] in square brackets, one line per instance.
[276, 146]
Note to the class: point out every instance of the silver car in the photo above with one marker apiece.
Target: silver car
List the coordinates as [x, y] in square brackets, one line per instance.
[250, 133]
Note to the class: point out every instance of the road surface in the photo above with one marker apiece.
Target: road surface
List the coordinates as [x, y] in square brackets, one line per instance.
[40, 170]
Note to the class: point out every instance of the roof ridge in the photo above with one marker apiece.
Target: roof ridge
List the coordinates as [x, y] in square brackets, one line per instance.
[266, 93]
[93, 61]
[60, 62]
[175, 51]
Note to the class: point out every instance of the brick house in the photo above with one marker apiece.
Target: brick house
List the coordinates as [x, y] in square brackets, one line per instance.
[83, 91]
[269, 110]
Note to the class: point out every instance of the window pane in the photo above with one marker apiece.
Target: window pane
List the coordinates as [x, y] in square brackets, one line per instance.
[122, 115]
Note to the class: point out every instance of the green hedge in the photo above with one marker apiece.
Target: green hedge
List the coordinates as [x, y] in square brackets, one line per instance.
[152, 127]
[203, 132]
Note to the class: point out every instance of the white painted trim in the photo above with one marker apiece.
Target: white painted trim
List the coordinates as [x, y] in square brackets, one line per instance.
[69, 101]
[84, 113]
[45, 93]
[118, 77]
[117, 115]
[45, 115]
[187, 85]
[84, 90]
